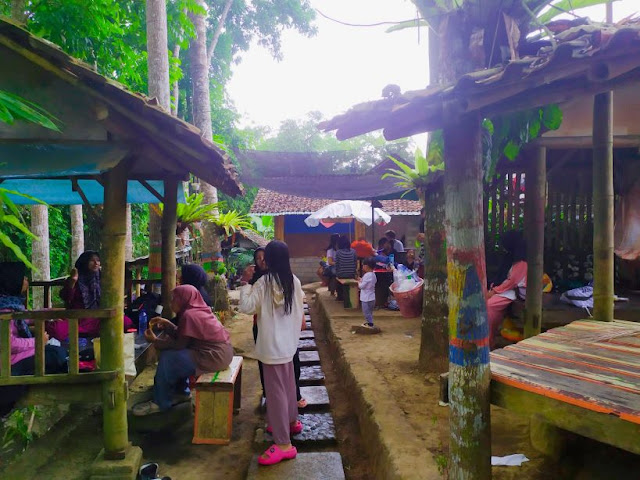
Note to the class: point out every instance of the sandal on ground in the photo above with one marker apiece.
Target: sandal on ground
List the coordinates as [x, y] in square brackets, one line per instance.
[302, 403]
[148, 471]
[146, 408]
[293, 429]
[275, 455]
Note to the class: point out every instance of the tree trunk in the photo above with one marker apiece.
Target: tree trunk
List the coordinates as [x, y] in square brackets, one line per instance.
[469, 373]
[158, 66]
[77, 232]
[176, 86]
[211, 251]
[18, 10]
[434, 340]
[40, 250]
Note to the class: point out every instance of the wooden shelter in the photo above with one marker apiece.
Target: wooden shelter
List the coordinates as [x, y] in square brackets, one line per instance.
[139, 141]
[584, 64]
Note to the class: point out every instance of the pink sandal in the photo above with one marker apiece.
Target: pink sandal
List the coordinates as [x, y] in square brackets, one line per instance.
[294, 430]
[275, 455]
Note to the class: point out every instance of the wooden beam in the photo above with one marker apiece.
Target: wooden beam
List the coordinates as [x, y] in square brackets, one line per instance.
[59, 378]
[603, 271]
[279, 228]
[585, 142]
[168, 252]
[114, 411]
[534, 231]
[75, 187]
[54, 313]
[153, 191]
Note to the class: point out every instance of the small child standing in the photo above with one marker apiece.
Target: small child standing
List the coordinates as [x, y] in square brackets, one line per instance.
[367, 286]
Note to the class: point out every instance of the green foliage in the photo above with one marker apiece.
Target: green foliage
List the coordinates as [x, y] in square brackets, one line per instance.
[18, 428]
[265, 226]
[140, 229]
[506, 135]
[241, 203]
[230, 222]
[562, 6]
[418, 177]
[238, 259]
[13, 107]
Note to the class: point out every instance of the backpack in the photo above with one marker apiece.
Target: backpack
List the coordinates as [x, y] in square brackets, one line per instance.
[149, 301]
[579, 297]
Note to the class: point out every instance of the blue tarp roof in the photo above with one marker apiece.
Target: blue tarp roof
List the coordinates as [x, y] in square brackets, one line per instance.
[58, 192]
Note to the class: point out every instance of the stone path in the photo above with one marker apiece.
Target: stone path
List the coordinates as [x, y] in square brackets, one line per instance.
[314, 461]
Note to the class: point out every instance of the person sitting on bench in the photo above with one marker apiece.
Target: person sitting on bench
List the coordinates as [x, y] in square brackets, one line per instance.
[199, 344]
[500, 297]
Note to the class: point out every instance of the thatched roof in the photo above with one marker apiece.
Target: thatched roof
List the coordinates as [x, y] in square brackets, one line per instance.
[588, 59]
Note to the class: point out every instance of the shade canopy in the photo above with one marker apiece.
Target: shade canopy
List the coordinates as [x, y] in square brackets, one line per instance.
[355, 209]
[60, 191]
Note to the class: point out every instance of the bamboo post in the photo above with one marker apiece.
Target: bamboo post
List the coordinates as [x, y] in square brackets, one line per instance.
[114, 392]
[5, 349]
[279, 228]
[39, 353]
[534, 230]
[73, 347]
[138, 277]
[469, 373]
[603, 207]
[168, 229]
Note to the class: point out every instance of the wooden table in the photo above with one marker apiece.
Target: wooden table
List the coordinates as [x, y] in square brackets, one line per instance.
[583, 377]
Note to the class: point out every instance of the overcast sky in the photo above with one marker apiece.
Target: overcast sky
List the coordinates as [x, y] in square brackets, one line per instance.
[342, 65]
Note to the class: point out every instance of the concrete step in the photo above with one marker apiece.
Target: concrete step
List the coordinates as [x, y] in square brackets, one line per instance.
[308, 325]
[307, 344]
[317, 397]
[309, 358]
[307, 466]
[319, 430]
[311, 375]
[307, 334]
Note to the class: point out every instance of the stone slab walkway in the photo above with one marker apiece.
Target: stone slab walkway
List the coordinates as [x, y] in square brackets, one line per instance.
[307, 466]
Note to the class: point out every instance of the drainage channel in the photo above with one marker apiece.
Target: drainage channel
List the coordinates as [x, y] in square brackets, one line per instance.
[318, 458]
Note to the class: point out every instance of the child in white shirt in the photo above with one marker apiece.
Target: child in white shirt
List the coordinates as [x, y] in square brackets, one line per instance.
[367, 286]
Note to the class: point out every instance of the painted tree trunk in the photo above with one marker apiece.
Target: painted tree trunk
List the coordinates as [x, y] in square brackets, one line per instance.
[158, 66]
[128, 239]
[77, 232]
[534, 231]
[40, 251]
[603, 207]
[469, 373]
[434, 340]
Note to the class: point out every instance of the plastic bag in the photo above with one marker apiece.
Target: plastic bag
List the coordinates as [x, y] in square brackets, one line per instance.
[404, 279]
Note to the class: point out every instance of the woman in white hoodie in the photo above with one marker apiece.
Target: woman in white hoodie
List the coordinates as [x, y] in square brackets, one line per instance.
[277, 300]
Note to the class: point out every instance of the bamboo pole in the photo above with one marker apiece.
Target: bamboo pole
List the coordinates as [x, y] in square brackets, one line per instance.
[5, 349]
[39, 353]
[169, 221]
[469, 373]
[534, 230]
[603, 207]
[114, 411]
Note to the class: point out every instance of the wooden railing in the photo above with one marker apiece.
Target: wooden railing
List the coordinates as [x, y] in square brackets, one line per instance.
[40, 377]
[47, 285]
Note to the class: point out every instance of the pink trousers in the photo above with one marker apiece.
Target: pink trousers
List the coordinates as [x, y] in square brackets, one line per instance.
[496, 309]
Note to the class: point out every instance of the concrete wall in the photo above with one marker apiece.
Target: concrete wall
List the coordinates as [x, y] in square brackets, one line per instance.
[305, 268]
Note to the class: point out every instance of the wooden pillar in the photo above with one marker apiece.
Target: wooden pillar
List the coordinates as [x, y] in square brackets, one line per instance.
[360, 230]
[279, 228]
[469, 373]
[534, 231]
[603, 207]
[114, 392]
[169, 221]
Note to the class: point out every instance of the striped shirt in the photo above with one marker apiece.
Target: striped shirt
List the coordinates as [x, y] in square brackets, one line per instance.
[346, 263]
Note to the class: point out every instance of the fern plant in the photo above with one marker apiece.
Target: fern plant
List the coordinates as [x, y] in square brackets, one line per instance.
[418, 177]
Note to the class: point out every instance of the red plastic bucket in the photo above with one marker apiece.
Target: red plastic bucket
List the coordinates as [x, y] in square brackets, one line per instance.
[410, 302]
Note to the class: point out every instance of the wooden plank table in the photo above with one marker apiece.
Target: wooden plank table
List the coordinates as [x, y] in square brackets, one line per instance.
[583, 377]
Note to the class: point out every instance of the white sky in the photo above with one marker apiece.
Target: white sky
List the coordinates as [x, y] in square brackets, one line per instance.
[342, 65]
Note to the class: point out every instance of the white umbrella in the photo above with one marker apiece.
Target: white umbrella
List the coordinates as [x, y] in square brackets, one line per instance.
[356, 209]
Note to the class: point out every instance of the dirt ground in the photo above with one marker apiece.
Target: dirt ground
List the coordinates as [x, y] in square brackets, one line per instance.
[392, 359]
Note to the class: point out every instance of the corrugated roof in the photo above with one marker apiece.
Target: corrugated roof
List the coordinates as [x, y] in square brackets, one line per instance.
[588, 59]
[268, 202]
[196, 154]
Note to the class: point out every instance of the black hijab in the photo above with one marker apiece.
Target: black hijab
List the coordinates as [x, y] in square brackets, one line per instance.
[88, 280]
[194, 275]
[11, 277]
[257, 273]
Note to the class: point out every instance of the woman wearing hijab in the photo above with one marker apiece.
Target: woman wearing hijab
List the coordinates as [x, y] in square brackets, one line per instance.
[82, 291]
[13, 287]
[199, 344]
[277, 299]
[193, 274]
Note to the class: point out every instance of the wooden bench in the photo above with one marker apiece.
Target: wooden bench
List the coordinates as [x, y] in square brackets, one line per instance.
[218, 397]
[350, 292]
[583, 377]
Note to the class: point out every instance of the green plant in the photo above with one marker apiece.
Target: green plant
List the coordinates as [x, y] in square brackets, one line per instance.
[230, 222]
[443, 463]
[238, 259]
[17, 429]
[417, 177]
[13, 107]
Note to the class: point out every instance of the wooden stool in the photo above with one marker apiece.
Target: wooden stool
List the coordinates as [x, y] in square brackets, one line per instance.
[350, 292]
[218, 397]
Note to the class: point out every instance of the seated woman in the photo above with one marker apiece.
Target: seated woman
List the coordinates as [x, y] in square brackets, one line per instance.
[199, 344]
[514, 287]
[13, 287]
[193, 274]
[346, 262]
[82, 291]
[329, 268]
